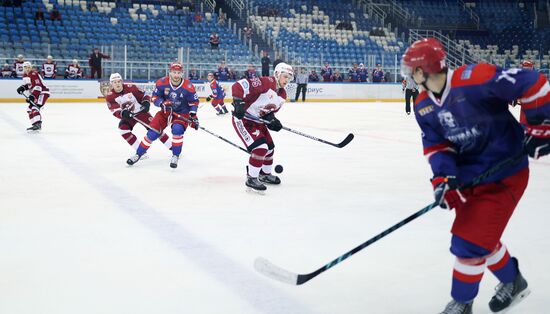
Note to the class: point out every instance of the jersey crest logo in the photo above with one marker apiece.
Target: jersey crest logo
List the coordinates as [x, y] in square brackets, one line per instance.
[256, 133]
[166, 91]
[467, 138]
[467, 72]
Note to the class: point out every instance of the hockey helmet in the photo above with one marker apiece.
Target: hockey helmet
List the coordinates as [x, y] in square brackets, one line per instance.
[176, 66]
[115, 77]
[27, 64]
[427, 54]
[283, 68]
[527, 64]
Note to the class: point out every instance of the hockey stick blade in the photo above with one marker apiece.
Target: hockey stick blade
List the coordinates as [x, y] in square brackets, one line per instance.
[265, 267]
[346, 141]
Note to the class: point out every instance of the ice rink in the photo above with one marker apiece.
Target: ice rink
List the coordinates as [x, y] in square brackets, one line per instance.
[81, 232]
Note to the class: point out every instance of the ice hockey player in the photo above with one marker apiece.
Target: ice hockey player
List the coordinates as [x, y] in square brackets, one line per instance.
[466, 129]
[260, 98]
[217, 96]
[7, 71]
[18, 65]
[49, 68]
[73, 71]
[38, 95]
[178, 102]
[129, 103]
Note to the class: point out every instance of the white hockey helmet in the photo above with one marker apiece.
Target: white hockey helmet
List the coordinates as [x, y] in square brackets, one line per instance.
[20, 57]
[49, 58]
[27, 64]
[114, 77]
[283, 68]
[74, 61]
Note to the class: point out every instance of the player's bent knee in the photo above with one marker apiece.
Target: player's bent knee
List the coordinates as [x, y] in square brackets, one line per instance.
[152, 135]
[124, 125]
[271, 146]
[464, 249]
[177, 129]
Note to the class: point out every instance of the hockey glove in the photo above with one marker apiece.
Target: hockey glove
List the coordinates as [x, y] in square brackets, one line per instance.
[166, 107]
[209, 98]
[21, 89]
[446, 192]
[145, 105]
[537, 142]
[126, 114]
[273, 123]
[239, 108]
[193, 120]
[30, 99]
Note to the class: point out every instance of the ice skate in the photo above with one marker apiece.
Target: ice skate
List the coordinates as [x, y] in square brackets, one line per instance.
[455, 307]
[254, 184]
[132, 160]
[174, 161]
[225, 110]
[269, 178]
[509, 294]
[35, 128]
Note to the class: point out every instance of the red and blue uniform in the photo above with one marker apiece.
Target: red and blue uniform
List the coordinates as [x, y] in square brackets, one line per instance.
[218, 95]
[465, 132]
[181, 101]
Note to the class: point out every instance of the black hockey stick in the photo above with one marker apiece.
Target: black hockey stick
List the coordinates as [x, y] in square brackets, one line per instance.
[267, 268]
[343, 143]
[30, 102]
[212, 133]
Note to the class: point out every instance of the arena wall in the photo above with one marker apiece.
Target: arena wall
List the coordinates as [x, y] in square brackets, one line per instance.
[89, 91]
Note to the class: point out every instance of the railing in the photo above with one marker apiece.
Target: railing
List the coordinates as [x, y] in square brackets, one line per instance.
[237, 6]
[457, 55]
[211, 5]
[473, 15]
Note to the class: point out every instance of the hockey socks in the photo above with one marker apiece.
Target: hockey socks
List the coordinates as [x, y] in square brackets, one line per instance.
[256, 160]
[177, 142]
[147, 141]
[501, 265]
[34, 115]
[268, 162]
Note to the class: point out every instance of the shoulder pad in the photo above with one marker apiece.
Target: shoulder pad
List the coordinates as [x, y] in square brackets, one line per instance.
[473, 74]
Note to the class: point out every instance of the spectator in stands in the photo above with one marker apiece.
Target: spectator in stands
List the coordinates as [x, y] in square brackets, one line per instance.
[378, 74]
[337, 77]
[326, 72]
[214, 41]
[92, 7]
[362, 73]
[197, 17]
[55, 15]
[95, 62]
[73, 71]
[194, 75]
[39, 16]
[250, 72]
[223, 72]
[344, 25]
[313, 76]
[301, 80]
[49, 68]
[247, 32]
[7, 71]
[353, 73]
[265, 63]
[221, 19]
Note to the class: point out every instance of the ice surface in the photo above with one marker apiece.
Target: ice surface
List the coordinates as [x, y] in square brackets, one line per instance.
[80, 232]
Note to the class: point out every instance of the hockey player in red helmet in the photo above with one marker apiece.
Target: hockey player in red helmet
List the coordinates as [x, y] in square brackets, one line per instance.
[527, 64]
[466, 129]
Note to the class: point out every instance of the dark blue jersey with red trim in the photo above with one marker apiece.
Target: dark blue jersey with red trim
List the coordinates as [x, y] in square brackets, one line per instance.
[470, 128]
[217, 90]
[183, 96]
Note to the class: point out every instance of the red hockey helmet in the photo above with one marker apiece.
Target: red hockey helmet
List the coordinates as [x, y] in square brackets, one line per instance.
[527, 64]
[427, 54]
[176, 66]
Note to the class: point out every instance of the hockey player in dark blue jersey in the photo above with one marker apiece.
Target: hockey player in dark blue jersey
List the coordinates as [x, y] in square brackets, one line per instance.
[466, 129]
[178, 102]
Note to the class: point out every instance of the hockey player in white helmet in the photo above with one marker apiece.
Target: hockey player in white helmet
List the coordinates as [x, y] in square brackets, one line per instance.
[38, 94]
[260, 97]
[73, 71]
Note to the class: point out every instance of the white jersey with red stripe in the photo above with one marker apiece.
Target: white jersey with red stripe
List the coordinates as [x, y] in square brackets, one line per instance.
[18, 68]
[49, 70]
[129, 98]
[260, 95]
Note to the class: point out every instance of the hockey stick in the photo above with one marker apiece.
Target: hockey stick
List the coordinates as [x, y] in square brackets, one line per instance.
[147, 126]
[343, 143]
[212, 133]
[30, 102]
[269, 269]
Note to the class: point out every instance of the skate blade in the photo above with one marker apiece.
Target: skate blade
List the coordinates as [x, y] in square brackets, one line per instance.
[254, 191]
[524, 294]
[33, 131]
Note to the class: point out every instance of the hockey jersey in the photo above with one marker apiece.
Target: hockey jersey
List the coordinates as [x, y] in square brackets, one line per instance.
[260, 95]
[73, 71]
[35, 83]
[129, 98]
[49, 70]
[183, 96]
[217, 90]
[470, 128]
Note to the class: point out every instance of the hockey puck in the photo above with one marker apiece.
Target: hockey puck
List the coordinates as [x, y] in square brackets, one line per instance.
[278, 168]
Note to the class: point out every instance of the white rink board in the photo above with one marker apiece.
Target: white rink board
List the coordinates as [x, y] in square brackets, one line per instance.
[86, 90]
[83, 233]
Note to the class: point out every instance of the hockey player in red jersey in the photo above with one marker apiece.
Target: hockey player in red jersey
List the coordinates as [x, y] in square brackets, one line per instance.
[130, 104]
[178, 102]
[260, 97]
[38, 95]
[467, 129]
